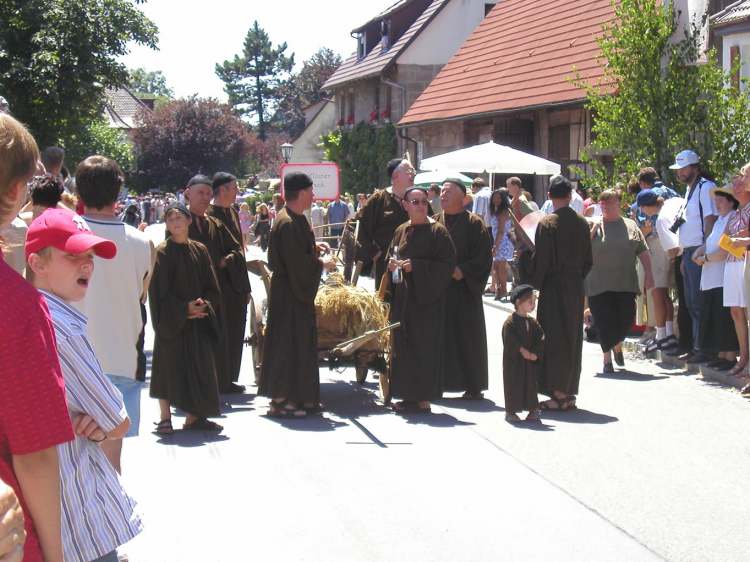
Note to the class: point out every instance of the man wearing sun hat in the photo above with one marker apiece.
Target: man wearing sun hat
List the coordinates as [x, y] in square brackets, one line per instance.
[60, 250]
[694, 223]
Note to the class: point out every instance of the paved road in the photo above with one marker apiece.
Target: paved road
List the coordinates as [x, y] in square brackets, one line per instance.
[651, 467]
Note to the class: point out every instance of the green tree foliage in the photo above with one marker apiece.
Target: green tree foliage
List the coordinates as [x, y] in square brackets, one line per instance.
[304, 89]
[362, 154]
[186, 137]
[253, 80]
[99, 138]
[57, 57]
[656, 98]
[143, 81]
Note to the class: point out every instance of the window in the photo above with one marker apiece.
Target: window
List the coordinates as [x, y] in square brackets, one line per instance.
[361, 45]
[375, 115]
[385, 34]
[350, 104]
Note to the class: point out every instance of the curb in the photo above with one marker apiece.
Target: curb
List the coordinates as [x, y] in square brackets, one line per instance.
[721, 377]
[491, 302]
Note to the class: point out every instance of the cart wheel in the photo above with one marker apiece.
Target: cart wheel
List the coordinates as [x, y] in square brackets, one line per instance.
[361, 371]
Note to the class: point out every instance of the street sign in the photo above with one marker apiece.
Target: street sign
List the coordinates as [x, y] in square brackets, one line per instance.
[325, 177]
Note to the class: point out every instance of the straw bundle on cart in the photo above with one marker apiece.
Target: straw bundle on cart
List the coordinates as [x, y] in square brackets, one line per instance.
[345, 312]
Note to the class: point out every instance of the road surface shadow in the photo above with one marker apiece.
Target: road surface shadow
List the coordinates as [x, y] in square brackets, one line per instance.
[312, 423]
[190, 439]
[236, 403]
[484, 405]
[532, 426]
[350, 400]
[627, 375]
[578, 415]
[434, 420]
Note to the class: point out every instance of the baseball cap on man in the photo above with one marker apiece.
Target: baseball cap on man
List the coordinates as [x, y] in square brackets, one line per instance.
[684, 159]
[68, 232]
[647, 198]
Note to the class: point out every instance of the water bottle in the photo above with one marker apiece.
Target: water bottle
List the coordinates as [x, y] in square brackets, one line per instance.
[396, 275]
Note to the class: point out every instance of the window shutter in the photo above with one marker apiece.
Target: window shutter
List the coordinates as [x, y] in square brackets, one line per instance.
[734, 60]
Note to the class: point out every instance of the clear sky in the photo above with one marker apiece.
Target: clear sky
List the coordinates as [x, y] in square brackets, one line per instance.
[194, 35]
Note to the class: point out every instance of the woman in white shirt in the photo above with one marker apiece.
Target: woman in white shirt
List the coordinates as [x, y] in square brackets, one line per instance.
[717, 332]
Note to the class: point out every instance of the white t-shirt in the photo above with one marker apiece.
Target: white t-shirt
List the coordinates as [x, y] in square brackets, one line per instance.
[112, 302]
[712, 272]
[482, 204]
[576, 203]
[691, 233]
[317, 215]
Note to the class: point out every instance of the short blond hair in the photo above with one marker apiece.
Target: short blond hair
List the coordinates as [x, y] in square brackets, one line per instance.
[19, 155]
[608, 194]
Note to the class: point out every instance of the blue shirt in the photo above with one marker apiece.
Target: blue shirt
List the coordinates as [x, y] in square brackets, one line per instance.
[338, 211]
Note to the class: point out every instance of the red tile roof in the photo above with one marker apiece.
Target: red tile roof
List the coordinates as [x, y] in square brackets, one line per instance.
[377, 61]
[734, 13]
[521, 56]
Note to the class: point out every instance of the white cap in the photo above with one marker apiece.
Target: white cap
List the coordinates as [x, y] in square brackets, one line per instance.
[684, 159]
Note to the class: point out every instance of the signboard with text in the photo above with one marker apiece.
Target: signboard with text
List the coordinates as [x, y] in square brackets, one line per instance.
[325, 177]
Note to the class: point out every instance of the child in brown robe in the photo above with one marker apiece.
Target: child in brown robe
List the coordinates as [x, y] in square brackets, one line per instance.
[523, 344]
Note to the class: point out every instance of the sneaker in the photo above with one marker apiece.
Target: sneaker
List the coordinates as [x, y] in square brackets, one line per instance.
[661, 345]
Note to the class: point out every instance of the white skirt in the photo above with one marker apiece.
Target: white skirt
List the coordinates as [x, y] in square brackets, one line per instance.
[734, 284]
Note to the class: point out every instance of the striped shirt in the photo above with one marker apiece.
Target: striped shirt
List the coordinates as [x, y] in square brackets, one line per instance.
[97, 513]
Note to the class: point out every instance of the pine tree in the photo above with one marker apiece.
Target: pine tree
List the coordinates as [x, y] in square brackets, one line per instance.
[253, 79]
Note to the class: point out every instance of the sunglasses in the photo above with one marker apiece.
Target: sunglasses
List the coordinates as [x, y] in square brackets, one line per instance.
[418, 202]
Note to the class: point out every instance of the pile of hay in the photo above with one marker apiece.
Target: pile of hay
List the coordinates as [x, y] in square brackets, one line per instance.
[344, 312]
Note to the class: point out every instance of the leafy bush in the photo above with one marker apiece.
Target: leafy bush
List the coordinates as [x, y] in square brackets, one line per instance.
[362, 154]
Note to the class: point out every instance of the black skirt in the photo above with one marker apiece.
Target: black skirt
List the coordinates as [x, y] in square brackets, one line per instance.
[717, 328]
[614, 315]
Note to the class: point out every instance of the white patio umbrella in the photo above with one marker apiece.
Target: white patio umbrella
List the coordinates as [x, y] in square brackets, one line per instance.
[492, 158]
[439, 176]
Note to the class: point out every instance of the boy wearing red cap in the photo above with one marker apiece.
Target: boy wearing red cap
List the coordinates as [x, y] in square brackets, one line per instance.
[97, 514]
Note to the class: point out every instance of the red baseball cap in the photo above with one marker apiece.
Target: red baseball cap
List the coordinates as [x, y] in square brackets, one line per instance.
[66, 231]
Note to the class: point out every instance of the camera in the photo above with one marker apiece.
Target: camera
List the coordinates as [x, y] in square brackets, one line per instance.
[678, 222]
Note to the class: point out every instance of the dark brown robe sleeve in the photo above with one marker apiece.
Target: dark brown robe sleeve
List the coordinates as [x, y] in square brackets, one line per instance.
[536, 345]
[588, 258]
[211, 292]
[432, 277]
[477, 266]
[367, 248]
[544, 249]
[302, 266]
[512, 343]
[168, 313]
[236, 264]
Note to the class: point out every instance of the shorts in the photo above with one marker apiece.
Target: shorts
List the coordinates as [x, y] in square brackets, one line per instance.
[661, 265]
[131, 396]
[734, 283]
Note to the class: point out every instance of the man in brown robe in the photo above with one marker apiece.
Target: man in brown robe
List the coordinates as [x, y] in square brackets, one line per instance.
[381, 215]
[215, 237]
[233, 279]
[465, 346]
[289, 373]
[562, 259]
